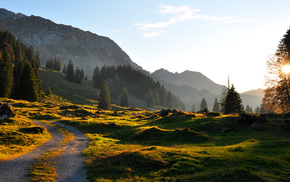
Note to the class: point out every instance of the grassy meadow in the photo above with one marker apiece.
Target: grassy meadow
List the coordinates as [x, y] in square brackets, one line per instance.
[131, 144]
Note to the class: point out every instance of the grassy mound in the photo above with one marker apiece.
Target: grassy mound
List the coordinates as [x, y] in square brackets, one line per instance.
[232, 174]
[126, 164]
[176, 135]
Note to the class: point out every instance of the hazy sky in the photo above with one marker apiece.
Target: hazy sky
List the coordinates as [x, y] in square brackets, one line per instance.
[215, 37]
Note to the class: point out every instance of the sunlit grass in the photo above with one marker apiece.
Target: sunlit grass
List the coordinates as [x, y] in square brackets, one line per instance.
[130, 145]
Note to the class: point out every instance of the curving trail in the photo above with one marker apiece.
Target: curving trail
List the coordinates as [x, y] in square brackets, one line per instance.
[70, 164]
[16, 169]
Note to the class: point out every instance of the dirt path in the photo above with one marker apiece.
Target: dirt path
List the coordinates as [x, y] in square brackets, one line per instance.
[70, 165]
[16, 169]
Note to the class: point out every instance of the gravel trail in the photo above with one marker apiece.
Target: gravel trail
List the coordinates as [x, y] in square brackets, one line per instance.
[15, 170]
[70, 165]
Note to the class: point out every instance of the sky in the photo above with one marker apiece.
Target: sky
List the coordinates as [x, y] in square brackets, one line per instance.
[218, 38]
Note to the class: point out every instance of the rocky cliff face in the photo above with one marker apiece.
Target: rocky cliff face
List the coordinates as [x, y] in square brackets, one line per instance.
[85, 49]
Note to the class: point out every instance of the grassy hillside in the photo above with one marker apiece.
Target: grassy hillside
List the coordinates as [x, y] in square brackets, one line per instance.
[183, 147]
[138, 145]
[75, 93]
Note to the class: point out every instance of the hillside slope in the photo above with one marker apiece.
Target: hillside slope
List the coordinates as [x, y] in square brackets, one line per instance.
[190, 78]
[87, 50]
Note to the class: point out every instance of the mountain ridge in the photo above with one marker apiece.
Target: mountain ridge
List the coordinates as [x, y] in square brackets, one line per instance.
[86, 49]
[190, 78]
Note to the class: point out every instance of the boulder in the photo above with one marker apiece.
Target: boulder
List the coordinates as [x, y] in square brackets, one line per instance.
[163, 112]
[6, 110]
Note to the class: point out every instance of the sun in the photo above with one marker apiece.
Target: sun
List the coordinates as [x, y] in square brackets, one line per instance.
[286, 69]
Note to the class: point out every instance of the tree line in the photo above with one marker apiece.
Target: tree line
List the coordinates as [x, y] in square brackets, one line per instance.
[18, 69]
[72, 75]
[137, 83]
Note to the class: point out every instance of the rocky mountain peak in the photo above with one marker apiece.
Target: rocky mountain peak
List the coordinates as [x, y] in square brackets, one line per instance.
[87, 50]
[5, 14]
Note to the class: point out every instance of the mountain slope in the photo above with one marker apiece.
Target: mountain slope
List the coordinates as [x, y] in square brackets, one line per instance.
[85, 49]
[193, 79]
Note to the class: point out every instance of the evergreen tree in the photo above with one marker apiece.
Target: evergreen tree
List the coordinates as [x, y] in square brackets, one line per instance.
[97, 78]
[6, 75]
[203, 105]
[115, 89]
[82, 74]
[17, 74]
[193, 108]
[277, 94]
[48, 91]
[30, 54]
[257, 110]
[38, 60]
[216, 106]
[57, 64]
[150, 100]
[163, 96]
[49, 63]
[70, 76]
[78, 76]
[262, 109]
[169, 100]
[64, 70]
[124, 98]
[29, 86]
[232, 102]
[105, 98]
[248, 108]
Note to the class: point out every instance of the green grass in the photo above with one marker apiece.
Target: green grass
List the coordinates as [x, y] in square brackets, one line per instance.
[133, 146]
[15, 142]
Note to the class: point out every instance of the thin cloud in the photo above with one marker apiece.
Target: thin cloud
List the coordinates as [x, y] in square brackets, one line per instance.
[181, 14]
[154, 34]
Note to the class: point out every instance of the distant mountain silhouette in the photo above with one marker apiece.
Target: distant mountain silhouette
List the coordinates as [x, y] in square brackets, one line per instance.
[87, 50]
[191, 87]
[189, 78]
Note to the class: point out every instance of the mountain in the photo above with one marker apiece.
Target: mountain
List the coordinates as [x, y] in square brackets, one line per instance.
[253, 97]
[190, 78]
[191, 87]
[87, 50]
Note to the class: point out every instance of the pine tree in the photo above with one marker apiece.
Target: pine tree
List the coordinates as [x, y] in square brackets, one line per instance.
[70, 76]
[97, 78]
[38, 60]
[105, 98]
[277, 94]
[29, 85]
[232, 102]
[49, 63]
[116, 87]
[203, 105]
[193, 108]
[57, 64]
[124, 98]
[169, 100]
[163, 96]
[6, 75]
[82, 74]
[78, 77]
[64, 70]
[216, 107]
[48, 91]
[150, 100]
